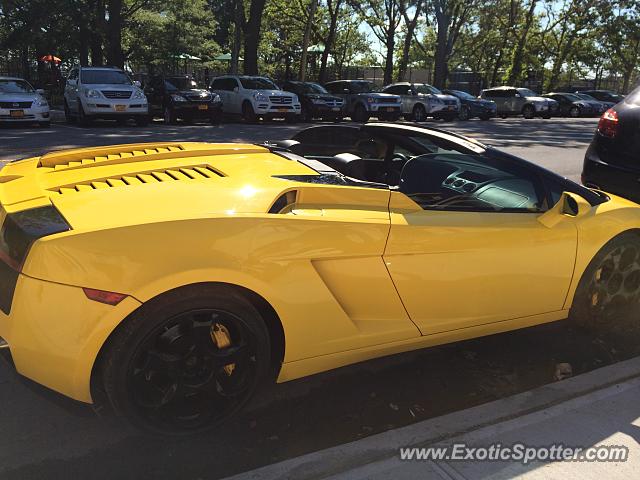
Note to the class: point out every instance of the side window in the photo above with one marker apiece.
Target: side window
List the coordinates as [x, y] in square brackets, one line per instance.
[328, 141]
[217, 84]
[510, 93]
[471, 183]
[231, 83]
[398, 90]
[492, 94]
[331, 88]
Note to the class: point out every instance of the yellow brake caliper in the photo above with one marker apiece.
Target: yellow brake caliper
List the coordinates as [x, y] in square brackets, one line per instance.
[221, 337]
[595, 296]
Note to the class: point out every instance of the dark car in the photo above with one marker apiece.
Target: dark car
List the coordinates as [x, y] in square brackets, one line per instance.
[604, 106]
[316, 101]
[573, 106]
[612, 160]
[178, 97]
[362, 103]
[471, 106]
[604, 95]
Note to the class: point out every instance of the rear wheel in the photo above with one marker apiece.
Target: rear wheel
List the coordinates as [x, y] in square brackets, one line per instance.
[464, 113]
[142, 120]
[169, 116]
[528, 111]
[187, 361]
[609, 290]
[485, 117]
[44, 124]
[574, 112]
[67, 114]
[83, 119]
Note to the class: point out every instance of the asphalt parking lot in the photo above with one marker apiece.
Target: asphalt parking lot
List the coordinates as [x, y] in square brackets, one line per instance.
[46, 436]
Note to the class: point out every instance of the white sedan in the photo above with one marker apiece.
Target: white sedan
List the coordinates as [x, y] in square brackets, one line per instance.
[21, 103]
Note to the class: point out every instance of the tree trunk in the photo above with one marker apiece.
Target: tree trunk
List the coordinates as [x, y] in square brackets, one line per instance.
[330, 40]
[238, 22]
[305, 40]
[515, 69]
[440, 60]
[115, 55]
[252, 37]
[411, 25]
[97, 28]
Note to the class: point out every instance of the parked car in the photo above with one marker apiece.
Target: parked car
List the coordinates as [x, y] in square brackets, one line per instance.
[254, 97]
[611, 162]
[179, 97]
[473, 106]
[420, 100]
[605, 95]
[316, 101]
[282, 266]
[518, 101]
[21, 103]
[602, 106]
[363, 103]
[571, 105]
[103, 92]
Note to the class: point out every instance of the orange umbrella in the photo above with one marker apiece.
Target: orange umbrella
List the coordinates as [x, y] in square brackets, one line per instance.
[50, 58]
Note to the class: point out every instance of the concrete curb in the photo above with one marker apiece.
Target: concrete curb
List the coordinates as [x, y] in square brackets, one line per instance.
[385, 445]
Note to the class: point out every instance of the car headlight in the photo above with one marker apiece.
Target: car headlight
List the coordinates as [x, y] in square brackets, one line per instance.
[138, 94]
[92, 94]
[260, 97]
[177, 98]
[371, 99]
[41, 102]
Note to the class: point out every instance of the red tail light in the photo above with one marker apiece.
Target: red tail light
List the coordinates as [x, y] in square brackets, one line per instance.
[608, 124]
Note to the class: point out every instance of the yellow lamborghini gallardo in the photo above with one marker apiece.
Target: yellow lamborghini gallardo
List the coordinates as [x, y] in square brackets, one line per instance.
[178, 277]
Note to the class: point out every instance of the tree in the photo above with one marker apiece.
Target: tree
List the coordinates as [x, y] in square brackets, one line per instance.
[384, 17]
[621, 28]
[334, 8]
[514, 71]
[313, 5]
[410, 24]
[251, 27]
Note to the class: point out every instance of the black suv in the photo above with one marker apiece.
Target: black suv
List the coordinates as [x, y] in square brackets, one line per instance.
[178, 97]
[316, 101]
[611, 162]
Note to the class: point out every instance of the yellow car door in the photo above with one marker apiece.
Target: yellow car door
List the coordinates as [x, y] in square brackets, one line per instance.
[469, 244]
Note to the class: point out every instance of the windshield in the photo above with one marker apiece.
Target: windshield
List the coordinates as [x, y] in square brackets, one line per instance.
[360, 87]
[180, 83]
[424, 89]
[111, 77]
[525, 92]
[461, 94]
[257, 83]
[311, 88]
[15, 86]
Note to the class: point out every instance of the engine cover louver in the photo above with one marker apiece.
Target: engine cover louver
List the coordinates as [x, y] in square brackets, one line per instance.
[196, 172]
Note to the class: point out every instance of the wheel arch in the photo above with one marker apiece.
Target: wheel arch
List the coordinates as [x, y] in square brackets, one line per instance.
[265, 309]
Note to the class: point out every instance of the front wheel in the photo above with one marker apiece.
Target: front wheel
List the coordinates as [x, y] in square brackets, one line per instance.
[248, 113]
[574, 112]
[419, 113]
[142, 120]
[609, 290]
[360, 114]
[528, 112]
[169, 116]
[464, 113]
[187, 361]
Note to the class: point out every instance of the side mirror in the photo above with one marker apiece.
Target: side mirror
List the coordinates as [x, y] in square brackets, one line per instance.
[137, 83]
[236, 89]
[40, 91]
[569, 205]
[71, 82]
[517, 95]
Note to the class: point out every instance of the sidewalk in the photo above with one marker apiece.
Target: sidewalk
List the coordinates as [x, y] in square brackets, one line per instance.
[601, 407]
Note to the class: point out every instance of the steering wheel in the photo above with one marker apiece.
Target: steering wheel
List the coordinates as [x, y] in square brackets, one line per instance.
[397, 156]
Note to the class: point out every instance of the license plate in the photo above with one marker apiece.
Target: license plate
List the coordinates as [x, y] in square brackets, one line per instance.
[451, 107]
[336, 109]
[391, 109]
[17, 113]
[203, 107]
[283, 109]
[121, 108]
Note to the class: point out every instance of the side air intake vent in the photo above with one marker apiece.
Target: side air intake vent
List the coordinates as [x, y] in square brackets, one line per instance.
[284, 202]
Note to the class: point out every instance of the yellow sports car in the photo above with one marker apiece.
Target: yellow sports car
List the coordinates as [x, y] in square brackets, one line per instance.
[178, 277]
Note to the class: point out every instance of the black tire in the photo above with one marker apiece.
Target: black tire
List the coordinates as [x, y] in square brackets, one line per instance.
[44, 124]
[449, 117]
[164, 368]
[169, 116]
[609, 290]
[67, 114]
[485, 117]
[528, 112]
[142, 120]
[215, 119]
[465, 113]
[574, 112]
[419, 113]
[547, 116]
[503, 116]
[291, 119]
[248, 114]
[306, 115]
[360, 114]
[83, 119]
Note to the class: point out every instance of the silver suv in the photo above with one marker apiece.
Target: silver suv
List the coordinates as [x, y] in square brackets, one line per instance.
[362, 102]
[103, 92]
[519, 101]
[254, 97]
[420, 100]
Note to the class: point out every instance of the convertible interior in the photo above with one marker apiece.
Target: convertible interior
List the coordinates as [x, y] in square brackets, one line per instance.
[435, 174]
